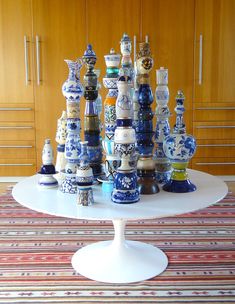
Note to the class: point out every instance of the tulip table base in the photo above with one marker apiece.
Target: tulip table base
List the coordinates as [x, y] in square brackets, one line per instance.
[119, 261]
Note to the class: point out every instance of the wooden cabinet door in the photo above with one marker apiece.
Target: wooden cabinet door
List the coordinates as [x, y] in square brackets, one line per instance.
[16, 77]
[61, 29]
[214, 52]
[169, 25]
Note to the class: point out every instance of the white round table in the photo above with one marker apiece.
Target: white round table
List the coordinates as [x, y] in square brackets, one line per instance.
[119, 260]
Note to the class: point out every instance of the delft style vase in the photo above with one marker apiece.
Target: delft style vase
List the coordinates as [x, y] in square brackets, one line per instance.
[84, 178]
[112, 160]
[47, 169]
[125, 182]
[179, 147]
[162, 163]
[72, 90]
[91, 117]
[144, 127]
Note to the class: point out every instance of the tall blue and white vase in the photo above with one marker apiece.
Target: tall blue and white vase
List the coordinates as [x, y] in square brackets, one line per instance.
[125, 181]
[179, 147]
[112, 160]
[72, 90]
[144, 129]
[162, 163]
[91, 118]
[84, 178]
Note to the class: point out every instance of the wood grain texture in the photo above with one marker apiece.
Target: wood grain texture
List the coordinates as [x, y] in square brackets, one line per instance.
[170, 27]
[15, 22]
[215, 21]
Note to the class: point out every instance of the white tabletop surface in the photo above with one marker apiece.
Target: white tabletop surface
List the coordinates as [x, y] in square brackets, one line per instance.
[210, 190]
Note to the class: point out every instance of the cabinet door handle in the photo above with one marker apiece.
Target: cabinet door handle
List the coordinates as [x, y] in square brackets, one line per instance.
[15, 109]
[212, 164]
[16, 127]
[217, 145]
[16, 164]
[38, 60]
[215, 108]
[200, 60]
[215, 127]
[16, 146]
[26, 60]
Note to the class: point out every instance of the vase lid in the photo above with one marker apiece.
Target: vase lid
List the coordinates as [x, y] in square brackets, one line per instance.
[125, 38]
[89, 51]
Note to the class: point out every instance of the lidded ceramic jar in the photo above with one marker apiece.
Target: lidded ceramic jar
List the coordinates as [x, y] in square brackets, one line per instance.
[47, 169]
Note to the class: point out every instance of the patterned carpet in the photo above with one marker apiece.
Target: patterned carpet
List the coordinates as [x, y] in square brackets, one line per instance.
[36, 249]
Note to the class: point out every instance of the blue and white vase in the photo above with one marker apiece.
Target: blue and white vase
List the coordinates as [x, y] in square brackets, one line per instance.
[125, 189]
[179, 147]
[72, 90]
[162, 163]
[91, 116]
[112, 160]
[47, 170]
[144, 127]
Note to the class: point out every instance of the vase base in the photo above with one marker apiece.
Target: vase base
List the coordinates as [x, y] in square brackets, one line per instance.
[148, 186]
[179, 186]
[125, 197]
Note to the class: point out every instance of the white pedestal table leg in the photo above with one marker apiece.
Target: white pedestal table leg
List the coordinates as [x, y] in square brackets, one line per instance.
[119, 261]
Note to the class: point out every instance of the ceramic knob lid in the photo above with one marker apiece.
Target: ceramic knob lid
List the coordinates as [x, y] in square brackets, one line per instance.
[89, 57]
[112, 60]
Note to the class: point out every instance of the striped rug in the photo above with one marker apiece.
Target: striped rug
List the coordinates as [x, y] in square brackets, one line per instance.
[36, 249]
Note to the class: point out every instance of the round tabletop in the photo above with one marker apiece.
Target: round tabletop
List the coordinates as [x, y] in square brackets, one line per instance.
[210, 189]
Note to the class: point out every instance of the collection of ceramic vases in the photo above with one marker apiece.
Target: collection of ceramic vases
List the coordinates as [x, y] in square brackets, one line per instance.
[129, 166]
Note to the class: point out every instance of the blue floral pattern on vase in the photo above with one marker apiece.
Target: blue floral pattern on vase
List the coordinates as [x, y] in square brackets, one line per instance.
[179, 147]
[72, 88]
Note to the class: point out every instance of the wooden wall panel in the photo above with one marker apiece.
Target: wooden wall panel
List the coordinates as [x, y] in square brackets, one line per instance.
[16, 22]
[170, 27]
[215, 22]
